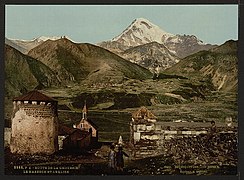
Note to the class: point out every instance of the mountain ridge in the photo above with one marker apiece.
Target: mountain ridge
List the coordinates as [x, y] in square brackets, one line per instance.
[24, 46]
[82, 61]
[142, 31]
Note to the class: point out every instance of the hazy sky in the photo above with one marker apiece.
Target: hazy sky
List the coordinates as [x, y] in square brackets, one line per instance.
[211, 23]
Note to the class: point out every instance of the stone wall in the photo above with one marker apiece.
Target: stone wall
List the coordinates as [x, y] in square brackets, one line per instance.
[149, 139]
[203, 150]
[34, 129]
[43, 111]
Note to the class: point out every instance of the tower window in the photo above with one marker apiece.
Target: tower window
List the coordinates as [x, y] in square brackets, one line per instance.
[34, 102]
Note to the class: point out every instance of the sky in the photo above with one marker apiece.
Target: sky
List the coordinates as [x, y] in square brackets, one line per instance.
[212, 24]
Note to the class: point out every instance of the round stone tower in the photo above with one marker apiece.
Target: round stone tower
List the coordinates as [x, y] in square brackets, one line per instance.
[34, 124]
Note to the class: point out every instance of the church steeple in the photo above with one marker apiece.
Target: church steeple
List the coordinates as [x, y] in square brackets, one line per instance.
[84, 112]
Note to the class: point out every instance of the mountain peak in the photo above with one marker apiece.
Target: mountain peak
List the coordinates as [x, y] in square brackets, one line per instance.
[141, 20]
[142, 24]
[142, 31]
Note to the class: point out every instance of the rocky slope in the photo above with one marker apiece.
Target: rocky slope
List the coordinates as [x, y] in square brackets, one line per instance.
[185, 45]
[153, 56]
[220, 64]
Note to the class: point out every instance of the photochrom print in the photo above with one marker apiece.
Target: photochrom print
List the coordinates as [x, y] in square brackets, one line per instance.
[121, 90]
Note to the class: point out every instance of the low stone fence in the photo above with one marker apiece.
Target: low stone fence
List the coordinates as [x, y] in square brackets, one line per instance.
[219, 149]
[153, 139]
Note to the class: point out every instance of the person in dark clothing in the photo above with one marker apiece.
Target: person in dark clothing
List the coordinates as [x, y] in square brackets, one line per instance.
[213, 128]
[120, 158]
[112, 159]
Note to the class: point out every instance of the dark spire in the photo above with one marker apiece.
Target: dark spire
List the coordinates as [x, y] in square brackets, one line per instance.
[84, 112]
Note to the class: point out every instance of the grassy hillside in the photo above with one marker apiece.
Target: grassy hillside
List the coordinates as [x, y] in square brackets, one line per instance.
[74, 63]
[23, 73]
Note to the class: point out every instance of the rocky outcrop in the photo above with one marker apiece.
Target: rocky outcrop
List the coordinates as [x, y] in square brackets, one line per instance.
[153, 56]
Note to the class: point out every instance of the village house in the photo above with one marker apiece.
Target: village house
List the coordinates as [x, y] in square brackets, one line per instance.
[143, 122]
[86, 124]
[74, 139]
[34, 127]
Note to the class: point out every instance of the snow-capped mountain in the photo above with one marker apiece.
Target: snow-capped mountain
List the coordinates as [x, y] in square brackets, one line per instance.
[25, 46]
[44, 38]
[185, 45]
[139, 32]
[142, 31]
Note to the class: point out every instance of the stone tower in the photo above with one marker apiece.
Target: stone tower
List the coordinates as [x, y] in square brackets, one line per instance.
[34, 124]
[143, 135]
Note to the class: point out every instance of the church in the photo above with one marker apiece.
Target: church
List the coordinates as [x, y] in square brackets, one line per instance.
[88, 125]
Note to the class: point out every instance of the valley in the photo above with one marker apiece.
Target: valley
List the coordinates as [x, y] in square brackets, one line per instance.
[113, 94]
[179, 78]
[217, 106]
[114, 105]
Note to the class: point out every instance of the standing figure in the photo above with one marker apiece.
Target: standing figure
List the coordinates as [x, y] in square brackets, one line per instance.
[213, 128]
[120, 158]
[112, 159]
[212, 132]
